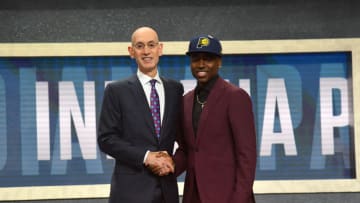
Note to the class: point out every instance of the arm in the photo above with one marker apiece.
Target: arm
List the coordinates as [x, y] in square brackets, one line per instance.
[180, 157]
[243, 127]
[110, 130]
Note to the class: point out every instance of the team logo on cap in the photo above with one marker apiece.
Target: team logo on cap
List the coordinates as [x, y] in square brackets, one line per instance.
[203, 42]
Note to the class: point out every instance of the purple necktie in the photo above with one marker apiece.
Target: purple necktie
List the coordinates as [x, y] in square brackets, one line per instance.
[155, 107]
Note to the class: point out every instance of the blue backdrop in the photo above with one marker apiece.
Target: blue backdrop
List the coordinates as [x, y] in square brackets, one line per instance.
[49, 106]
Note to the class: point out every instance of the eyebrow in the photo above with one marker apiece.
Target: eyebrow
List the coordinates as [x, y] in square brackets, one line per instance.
[152, 41]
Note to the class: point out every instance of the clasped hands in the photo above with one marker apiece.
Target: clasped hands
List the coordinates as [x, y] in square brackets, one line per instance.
[160, 163]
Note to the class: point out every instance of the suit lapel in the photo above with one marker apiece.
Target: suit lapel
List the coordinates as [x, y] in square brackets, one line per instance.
[213, 98]
[168, 101]
[141, 102]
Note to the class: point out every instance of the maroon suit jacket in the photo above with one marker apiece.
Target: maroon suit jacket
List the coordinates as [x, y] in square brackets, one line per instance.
[222, 156]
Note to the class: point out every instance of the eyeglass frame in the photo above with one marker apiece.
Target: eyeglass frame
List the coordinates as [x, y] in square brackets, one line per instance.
[141, 46]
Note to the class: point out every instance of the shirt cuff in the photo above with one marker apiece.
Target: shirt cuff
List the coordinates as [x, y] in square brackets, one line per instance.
[146, 154]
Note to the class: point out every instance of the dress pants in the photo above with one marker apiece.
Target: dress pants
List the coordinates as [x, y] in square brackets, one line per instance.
[158, 195]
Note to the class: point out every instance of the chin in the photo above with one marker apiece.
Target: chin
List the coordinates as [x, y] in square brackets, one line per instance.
[202, 80]
[149, 66]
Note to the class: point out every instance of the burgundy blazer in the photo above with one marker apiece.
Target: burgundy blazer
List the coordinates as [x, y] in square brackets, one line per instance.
[222, 156]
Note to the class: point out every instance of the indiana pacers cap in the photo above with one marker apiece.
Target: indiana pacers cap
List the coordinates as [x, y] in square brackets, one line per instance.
[205, 43]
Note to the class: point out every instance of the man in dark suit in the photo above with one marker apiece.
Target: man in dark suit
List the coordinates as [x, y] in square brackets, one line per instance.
[217, 147]
[137, 127]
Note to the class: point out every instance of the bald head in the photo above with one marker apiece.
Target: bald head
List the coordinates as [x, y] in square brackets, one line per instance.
[144, 31]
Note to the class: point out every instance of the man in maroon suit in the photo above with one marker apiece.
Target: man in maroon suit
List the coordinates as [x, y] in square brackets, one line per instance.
[217, 147]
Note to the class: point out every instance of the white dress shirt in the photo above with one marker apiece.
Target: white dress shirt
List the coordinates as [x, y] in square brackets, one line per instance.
[159, 86]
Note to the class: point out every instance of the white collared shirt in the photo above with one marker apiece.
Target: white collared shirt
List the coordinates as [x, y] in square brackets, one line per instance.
[145, 83]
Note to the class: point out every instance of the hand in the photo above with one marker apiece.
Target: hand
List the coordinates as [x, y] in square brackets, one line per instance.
[160, 163]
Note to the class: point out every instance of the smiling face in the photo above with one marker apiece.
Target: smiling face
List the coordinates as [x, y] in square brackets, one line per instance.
[204, 66]
[146, 50]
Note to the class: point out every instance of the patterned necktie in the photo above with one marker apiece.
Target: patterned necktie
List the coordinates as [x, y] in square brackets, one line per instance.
[155, 107]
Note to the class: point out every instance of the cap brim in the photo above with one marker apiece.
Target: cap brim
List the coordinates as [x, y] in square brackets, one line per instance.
[191, 52]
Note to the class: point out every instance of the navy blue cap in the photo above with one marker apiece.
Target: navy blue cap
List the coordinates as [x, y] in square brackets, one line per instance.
[205, 43]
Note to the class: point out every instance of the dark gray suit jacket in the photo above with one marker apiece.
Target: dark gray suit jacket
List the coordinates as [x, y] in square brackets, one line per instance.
[126, 131]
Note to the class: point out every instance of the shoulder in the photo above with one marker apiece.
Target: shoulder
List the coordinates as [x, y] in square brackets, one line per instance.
[189, 94]
[170, 81]
[173, 84]
[120, 85]
[122, 82]
[231, 88]
[235, 92]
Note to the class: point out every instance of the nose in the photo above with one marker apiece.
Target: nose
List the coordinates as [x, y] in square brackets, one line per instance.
[146, 49]
[201, 62]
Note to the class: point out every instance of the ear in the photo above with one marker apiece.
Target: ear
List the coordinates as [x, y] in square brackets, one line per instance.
[131, 51]
[160, 49]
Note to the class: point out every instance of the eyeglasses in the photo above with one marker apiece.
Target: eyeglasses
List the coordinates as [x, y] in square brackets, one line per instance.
[141, 46]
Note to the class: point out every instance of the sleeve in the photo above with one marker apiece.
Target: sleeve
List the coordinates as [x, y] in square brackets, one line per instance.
[244, 134]
[180, 157]
[110, 131]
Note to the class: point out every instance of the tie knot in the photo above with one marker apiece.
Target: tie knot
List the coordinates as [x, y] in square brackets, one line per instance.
[152, 82]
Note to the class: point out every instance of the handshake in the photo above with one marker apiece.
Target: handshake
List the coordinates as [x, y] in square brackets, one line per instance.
[160, 163]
